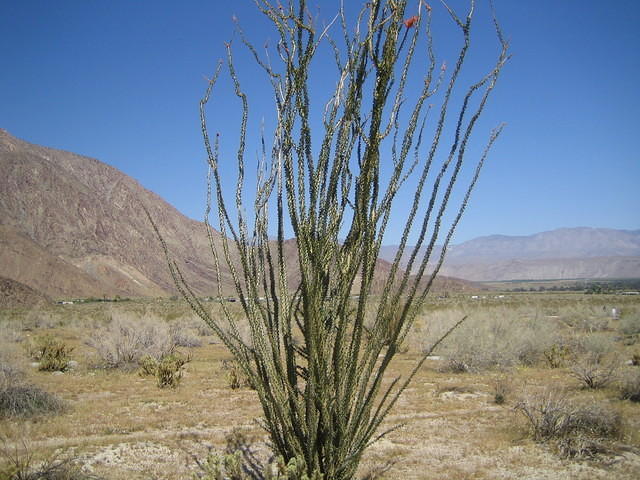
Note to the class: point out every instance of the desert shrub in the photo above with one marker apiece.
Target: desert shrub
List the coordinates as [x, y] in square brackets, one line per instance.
[239, 462]
[148, 366]
[26, 400]
[593, 324]
[498, 341]
[502, 387]
[9, 374]
[19, 463]
[593, 371]
[231, 466]
[194, 325]
[167, 370]
[10, 332]
[557, 355]
[630, 325]
[20, 399]
[184, 336]
[548, 413]
[629, 385]
[127, 340]
[596, 346]
[552, 415]
[236, 378]
[596, 420]
[52, 353]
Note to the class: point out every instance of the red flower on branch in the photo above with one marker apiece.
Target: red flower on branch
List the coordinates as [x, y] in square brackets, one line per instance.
[410, 22]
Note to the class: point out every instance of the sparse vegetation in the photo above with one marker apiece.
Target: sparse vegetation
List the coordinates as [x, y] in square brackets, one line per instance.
[496, 341]
[184, 335]
[502, 388]
[124, 427]
[237, 462]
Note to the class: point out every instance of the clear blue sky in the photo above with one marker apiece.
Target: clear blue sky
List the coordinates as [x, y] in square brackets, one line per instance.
[120, 81]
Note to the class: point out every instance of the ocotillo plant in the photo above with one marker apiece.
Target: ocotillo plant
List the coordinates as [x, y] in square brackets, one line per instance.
[318, 354]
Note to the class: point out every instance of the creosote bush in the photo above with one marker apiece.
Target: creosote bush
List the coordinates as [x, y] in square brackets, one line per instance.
[339, 163]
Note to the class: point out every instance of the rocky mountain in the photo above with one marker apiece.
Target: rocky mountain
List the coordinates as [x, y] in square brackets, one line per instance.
[564, 253]
[72, 226]
[578, 242]
[14, 294]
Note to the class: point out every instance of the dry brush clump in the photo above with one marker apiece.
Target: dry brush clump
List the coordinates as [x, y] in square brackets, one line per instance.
[630, 327]
[127, 339]
[594, 371]
[185, 335]
[578, 428]
[629, 384]
[18, 462]
[19, 398]
[497, 339]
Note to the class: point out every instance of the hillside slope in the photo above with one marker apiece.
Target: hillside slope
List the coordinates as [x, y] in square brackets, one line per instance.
[72, 226]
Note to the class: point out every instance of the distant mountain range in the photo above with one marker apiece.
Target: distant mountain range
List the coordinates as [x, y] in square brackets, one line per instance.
[565, 253]
[72, 226]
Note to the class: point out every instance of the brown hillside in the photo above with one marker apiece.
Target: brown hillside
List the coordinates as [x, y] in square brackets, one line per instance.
[71, 226]
[15, 294]
[88, 215]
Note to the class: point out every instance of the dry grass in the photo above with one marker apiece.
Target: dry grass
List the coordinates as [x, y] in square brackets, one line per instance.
[120, 425]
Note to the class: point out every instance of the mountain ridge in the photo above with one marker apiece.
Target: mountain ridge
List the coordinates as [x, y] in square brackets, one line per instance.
[563, 253]
[72, 226]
